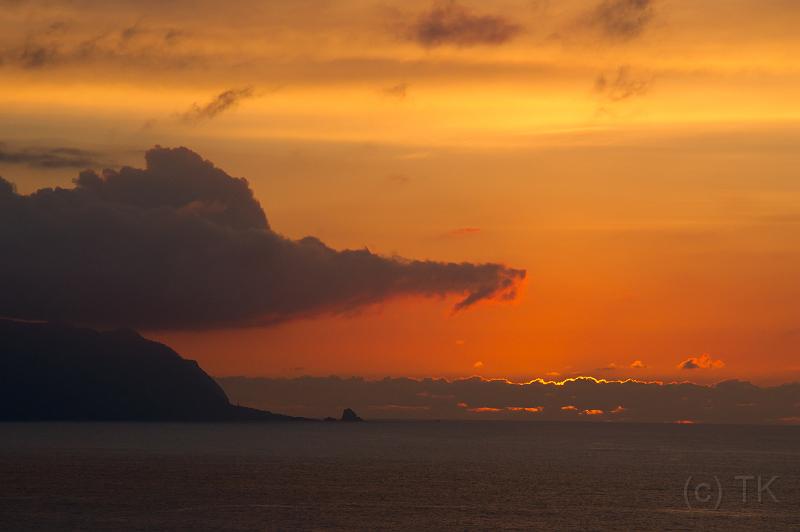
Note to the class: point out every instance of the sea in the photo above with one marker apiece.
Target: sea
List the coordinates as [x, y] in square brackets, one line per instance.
[398, 475]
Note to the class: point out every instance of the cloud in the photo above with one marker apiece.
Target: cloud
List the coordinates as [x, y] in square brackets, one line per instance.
[172, 36]
[485, 409]
[576, 399]
[219, 104]
[530, 409]
[702, 362]
[399, 91]
[59, 43]
[449, 23]
[621, 20]
[401, 179]
[181, 244]
[462, 231]
[35, 55]
[58, 157]
[131, 32]
[638, 364]
[621, 84]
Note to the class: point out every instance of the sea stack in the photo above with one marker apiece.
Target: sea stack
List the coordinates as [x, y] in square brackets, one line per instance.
[349, 415]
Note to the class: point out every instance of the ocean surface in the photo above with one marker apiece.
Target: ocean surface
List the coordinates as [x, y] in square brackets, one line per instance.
[398, 475]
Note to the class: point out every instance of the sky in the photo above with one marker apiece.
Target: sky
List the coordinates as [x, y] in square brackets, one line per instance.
[602, 188]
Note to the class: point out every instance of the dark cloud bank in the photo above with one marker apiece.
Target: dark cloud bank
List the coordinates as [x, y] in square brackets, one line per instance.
[181, 244]
[581, 399]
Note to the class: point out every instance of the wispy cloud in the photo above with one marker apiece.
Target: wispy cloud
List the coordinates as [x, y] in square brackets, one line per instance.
[219, 104]
[620, 20]
[399, 91]
[56, 157]
[400, 179]
[462, 232]
[59, 43]
[449, 23]
[622, 84]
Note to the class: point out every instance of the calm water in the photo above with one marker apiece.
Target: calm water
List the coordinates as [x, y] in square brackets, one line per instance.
[396, 475]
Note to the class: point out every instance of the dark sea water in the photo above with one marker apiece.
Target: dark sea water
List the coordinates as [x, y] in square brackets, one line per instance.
[397, 475]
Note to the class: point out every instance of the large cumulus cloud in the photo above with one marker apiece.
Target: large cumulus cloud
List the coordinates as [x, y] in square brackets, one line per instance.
[181, 244]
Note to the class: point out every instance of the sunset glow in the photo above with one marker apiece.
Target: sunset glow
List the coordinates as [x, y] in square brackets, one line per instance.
[636, 161]
[399, 265]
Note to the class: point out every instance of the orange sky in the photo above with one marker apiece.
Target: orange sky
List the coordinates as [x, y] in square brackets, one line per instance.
[638, 159]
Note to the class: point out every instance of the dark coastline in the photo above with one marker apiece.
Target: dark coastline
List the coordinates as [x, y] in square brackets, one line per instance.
[58, 372]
